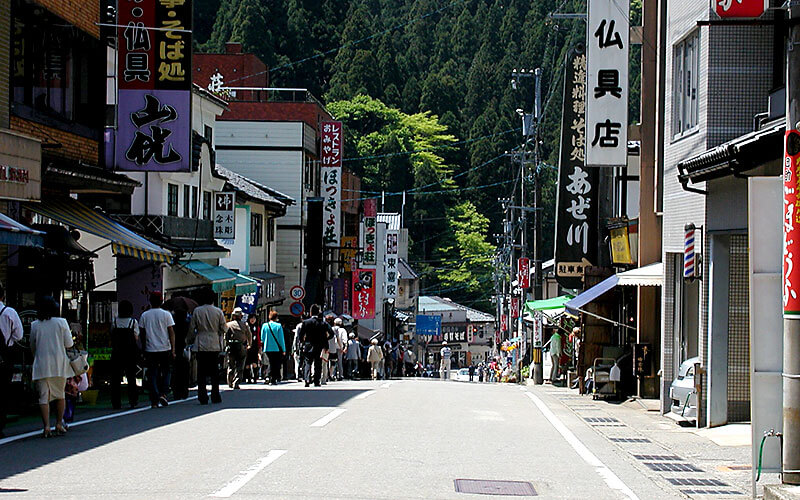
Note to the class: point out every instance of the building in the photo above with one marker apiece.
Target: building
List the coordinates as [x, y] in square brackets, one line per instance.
[469, 333]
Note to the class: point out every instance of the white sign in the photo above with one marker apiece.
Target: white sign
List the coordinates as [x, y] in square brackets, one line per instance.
[224, 215]
[391, 265]
[331, 172]
[607, 83]
[297, 292]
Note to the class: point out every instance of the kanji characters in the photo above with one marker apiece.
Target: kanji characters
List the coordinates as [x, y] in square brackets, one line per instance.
[607, 134]
[608, 37]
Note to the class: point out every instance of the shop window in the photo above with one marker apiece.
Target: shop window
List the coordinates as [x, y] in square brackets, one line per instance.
[186, 201]
[172, 200]
[206, 205]
[256, 230]
[686, 64]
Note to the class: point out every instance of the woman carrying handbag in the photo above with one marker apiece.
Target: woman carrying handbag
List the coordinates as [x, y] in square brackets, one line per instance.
[274, 346]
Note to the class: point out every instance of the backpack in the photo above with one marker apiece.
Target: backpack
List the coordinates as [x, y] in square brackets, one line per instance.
[123, 340]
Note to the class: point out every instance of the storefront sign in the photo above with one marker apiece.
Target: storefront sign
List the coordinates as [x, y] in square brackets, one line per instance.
[607, 83]
[370, 231]
[363, 294]
[428, 325]
[576, 207]
[537, 331]
[620, 246]
[524, 272]
[391, 271]
[249, 302]
[331, 171]
[14, 175]
[20, 167]
[514, 307]
[154, 85]
[348, 252]
[791, 226]
[225, 215]
[738, 9]
[504, 323]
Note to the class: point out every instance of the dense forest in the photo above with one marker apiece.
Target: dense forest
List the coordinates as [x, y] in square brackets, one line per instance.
[424, 89]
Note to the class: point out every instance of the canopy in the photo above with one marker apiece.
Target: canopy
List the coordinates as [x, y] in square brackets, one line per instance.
[221, 279]
[649, 275]
[14, 233]
[547, 304]
[245, 284]
[123, 241]
[575, 305]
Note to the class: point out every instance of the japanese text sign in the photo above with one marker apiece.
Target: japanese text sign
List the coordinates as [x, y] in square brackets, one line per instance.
[154, 85]
[504, 323]
[791, 226]
[514, 307]
[607, 83]
[370, 232]
[224, 215]
[740, 8]
[363, 294]
[331, 171]
[524, 272]
[391, 268]
[576, 206]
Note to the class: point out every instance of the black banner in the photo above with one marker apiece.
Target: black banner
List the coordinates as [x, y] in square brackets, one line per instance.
[576, 209]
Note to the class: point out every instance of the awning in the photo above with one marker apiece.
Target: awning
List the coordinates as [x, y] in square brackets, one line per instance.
[649, 275]
[575, 305]
[14, 233]
[548, 304]
[245, 284]
[123, 241]
[220, 279]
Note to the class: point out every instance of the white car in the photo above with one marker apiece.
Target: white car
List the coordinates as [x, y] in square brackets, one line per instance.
[462, 375]
[682, 393]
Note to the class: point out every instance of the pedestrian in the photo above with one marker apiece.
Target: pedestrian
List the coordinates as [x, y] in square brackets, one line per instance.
[238, 340]
[252, 366]
[180, 365]
[444, 367]
[50, 337]
[335, 350]
[374, 357]
[10, 333]
[298, 349]
[410, 362]
[314, 337]
[471, 372]
[481, 370]
[326, 351]
[555, 356]
[207, 330]
[353, 355]
[156, 326]
[274, 347]
[124, 354]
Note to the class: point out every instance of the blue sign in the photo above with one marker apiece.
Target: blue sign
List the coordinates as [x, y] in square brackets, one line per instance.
[297, 309]
[429, 325]
[249, 302]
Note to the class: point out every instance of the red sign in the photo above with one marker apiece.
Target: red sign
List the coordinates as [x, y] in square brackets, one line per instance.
[740, 8]
[503, 323]
[524, 272]
[514, 307]
[363, 294]
[791, 226]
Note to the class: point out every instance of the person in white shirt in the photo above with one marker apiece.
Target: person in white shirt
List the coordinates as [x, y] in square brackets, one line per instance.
[444, 368]
[156, 326]
[342, 334]
[336, 348]
[10, 332]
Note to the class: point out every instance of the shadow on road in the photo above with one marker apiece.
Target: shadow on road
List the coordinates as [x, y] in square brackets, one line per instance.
[28, 454]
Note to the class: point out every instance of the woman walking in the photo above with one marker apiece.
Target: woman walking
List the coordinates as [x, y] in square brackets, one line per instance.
[274, 346]
[50, 337]
[124, 355]
[374, 357]
[252, 371]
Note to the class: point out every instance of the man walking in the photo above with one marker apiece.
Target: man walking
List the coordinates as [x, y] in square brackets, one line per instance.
[208, 328]
[353, 355]
[156, 326]
[555, 356]
[340, 334]
[10, 332]
[444, 368]
[315, 334]
[472, 372]
[239, 340]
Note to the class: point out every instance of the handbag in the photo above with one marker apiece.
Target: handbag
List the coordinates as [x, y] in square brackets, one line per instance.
[78, 360]
[272, 334]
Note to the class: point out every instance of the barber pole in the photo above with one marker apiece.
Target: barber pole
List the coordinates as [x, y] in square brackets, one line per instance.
[689, 256]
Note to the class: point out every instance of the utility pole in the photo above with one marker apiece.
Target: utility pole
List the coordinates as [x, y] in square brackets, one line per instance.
[791, 327]
[538, 366]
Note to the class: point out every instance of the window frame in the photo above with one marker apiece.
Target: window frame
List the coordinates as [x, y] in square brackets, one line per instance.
[256, 229]
[685, 85]
[172, 200]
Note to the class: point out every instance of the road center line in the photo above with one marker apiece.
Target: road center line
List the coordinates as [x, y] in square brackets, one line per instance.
[328, 418]
[246, 475]
[365, 395]
[590, 458]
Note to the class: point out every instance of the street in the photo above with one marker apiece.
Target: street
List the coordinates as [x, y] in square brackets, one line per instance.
[409, 438]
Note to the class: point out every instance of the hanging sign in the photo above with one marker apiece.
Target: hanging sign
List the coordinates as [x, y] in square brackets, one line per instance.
[791, 226]
[363, 294]
[392, 274]
[370, 231]
[330, 155]
[738, 9]
[576, 208]
[349, 249]
[524, 272]
[504, 323]
[225, 215]
[607, 83]
[154, 85]
[514, 307]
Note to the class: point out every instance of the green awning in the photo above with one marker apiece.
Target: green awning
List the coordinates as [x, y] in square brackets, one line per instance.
[547, 304]
[218, 277]
[245, 285]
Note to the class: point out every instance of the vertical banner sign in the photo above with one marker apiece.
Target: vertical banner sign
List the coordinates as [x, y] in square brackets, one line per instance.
[607, 83]
[392, 275]
[524, 272]
[740, 8]
[370, 231]
[576, 207]
[330, 155]
[363, 294]
[504, 323]
[224, 215]
[791, 226]
[154, 81]
[514, 307]
[348, 252]
[537, 331]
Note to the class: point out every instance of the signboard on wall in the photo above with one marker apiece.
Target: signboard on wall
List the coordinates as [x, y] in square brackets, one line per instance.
[607, 83]
[738, 9]
[330, 154]
[428, 325]
[154, 86]
[225, 215]
[524, 272]
[791, 226]
[363, 294]
[370, 231]
[391, 270]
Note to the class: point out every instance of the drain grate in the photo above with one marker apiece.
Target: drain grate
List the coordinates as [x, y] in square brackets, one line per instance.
[693, 481]
[671, 467]
[600, 419]
[711, 492]
[655, 458]
[486, 487]
[630, 440]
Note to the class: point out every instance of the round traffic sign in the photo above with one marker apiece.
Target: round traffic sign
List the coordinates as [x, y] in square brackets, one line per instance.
[297, 292]
[297, 309]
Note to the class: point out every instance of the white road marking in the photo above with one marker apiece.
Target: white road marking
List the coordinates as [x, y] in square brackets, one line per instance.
[387, 385]
[590, 458]
[328, 418]
[365, 395]
[246, 475]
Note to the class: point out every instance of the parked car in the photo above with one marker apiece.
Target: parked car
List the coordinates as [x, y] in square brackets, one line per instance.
[682, 393]
[463, 375]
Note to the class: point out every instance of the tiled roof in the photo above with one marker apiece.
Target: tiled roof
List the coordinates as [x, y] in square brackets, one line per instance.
[253, 189]
[406, 272]
[434, 303]
[392, 220]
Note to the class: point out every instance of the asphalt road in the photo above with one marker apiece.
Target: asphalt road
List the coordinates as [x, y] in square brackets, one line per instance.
[371, 440]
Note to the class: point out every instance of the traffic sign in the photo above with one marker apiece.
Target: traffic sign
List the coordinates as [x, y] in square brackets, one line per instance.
[297, 309]
[297, 292]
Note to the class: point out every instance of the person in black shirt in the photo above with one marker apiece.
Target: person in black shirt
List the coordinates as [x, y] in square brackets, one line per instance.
[314, 338]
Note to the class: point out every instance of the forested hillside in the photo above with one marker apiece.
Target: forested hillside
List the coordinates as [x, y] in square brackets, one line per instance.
[440, 110]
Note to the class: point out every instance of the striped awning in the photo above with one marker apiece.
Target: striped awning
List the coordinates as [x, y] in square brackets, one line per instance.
[123, 240]
[14, 233]
[245, 284]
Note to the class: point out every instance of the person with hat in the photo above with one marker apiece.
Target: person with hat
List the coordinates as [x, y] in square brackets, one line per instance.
[374, 357]
[238, 341]
[444, 367]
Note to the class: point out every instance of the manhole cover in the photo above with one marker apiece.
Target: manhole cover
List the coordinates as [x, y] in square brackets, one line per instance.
[487, 487]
